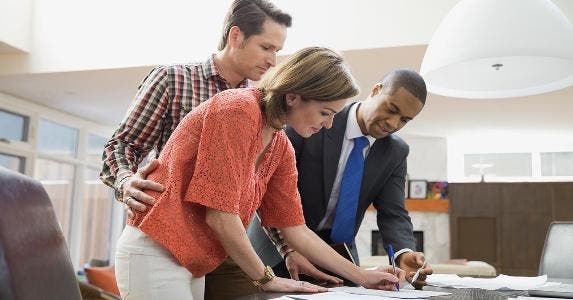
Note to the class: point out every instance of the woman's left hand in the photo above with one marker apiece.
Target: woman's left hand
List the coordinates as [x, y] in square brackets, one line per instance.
[284, 285]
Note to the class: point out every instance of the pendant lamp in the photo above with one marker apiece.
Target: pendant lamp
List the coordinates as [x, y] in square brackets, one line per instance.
[500, 49]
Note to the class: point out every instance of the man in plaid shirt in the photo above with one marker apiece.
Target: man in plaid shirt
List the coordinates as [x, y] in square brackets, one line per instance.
[254, 31]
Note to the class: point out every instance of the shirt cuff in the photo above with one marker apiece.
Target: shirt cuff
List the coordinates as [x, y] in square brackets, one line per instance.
[121, 175]
[120, 179]
[401, 251]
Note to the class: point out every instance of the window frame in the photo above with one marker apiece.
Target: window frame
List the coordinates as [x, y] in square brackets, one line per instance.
[26, 126]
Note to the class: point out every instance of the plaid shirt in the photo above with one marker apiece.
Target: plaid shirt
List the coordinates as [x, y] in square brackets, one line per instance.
[166, 95]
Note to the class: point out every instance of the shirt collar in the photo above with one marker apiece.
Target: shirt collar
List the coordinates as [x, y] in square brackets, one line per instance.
[352, 128]
[211, 70]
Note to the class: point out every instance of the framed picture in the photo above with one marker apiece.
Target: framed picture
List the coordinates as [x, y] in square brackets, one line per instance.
[418, 189]
[438, 190]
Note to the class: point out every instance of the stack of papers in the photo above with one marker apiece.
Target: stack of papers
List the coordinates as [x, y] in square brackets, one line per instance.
[364, 294]
[402, 294]
[501, 282]
[332, 296]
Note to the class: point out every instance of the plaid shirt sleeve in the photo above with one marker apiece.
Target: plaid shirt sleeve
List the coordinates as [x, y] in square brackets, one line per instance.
[140, 130]
[275, 235]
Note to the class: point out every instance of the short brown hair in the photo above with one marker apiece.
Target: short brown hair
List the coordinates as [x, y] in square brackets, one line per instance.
[314, 73]
[249, 16]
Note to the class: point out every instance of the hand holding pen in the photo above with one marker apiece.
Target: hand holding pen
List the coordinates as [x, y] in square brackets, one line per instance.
[417, 274]
[393, 262]
[416, 267]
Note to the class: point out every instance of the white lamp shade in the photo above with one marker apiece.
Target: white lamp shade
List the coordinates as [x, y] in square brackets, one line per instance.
[500, 49]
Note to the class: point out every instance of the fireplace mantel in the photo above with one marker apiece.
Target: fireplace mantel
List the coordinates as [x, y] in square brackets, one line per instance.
[425, 205]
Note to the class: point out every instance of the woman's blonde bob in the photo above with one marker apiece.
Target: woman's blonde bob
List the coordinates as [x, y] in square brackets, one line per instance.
[314, 73]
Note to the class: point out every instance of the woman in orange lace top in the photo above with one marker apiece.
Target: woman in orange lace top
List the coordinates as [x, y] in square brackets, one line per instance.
[226, 159]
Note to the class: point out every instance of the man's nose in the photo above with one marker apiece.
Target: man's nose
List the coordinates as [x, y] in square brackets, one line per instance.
[272, 59]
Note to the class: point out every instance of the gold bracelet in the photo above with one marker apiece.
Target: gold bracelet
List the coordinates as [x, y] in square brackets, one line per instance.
[269, 275]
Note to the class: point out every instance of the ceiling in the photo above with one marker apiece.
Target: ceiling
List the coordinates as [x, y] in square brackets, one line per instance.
[101, 96]
[104, 96]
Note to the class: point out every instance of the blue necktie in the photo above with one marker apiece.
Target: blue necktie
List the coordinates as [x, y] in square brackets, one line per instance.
[345, 216]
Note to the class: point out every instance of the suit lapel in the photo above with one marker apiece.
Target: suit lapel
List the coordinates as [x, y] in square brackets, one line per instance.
[332, 146]
[374, 162]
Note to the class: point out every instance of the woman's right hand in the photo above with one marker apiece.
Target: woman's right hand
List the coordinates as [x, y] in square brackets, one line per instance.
[279, 284]
[382, 278]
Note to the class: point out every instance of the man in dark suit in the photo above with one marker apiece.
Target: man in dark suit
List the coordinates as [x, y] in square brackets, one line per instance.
[322, 161]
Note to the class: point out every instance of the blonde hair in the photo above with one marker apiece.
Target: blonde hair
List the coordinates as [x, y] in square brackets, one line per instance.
[314, 73]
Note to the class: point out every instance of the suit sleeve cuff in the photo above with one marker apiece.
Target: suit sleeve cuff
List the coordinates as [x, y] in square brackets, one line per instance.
[400, 252]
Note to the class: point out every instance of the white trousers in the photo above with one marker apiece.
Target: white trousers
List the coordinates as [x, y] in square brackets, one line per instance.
[144, 270]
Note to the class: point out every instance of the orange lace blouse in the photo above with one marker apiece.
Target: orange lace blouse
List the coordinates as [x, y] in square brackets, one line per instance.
[209, 161]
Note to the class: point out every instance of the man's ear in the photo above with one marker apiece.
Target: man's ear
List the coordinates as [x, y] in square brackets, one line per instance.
[376, 89]
[236, 37]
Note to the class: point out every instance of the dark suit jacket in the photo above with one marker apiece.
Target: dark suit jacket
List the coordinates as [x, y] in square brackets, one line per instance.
[382, 183]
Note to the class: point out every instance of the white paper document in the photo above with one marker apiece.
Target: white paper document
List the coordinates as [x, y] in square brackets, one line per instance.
[501, 282]
[332, 296]
[402, 294]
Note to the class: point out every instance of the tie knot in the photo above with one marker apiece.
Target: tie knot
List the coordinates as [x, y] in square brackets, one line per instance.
[360, 142]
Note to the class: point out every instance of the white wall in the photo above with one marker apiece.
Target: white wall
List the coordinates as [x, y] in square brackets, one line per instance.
[499, 141]
[428, 157]
[15, 23]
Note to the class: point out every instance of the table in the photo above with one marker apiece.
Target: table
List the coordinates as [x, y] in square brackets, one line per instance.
[457, 294]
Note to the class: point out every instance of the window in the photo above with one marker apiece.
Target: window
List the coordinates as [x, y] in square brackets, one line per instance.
[12, 162]
[64, 153]
[58, 180]
[557, 164]
[13, 126]
[498, 165]
[96, 144]
[96, 218]
[56, 139]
